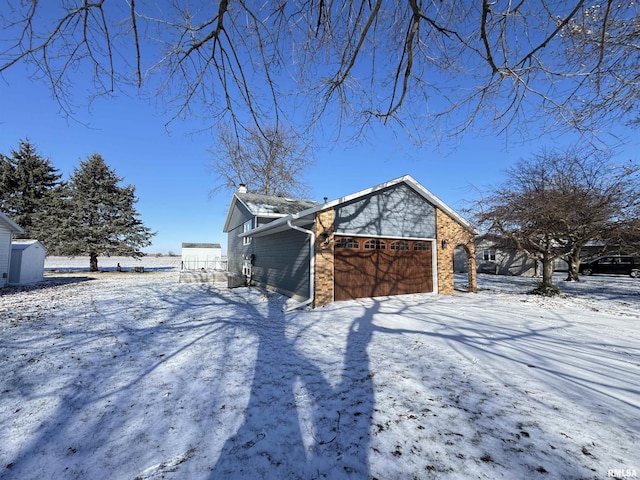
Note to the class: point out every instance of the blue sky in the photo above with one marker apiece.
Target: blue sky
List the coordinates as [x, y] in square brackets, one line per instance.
[171, 167]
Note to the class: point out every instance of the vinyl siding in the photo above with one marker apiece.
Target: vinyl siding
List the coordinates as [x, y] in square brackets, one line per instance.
[236, 251]
[282, 262]
[5, 254]
[395, 212]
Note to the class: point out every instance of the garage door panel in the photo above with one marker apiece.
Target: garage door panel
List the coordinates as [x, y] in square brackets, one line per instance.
[361, 272]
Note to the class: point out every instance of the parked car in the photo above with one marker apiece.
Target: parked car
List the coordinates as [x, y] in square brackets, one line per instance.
[619, 264]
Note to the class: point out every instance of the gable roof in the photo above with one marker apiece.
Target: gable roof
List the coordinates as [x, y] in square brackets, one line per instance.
[11, 225]
[267, 206]
[23, 244]
[306, 215]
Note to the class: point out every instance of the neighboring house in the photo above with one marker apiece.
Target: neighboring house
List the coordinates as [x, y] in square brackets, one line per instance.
[27, 262]
[394, 238]
[491, 258]
[7, 229]
[201, 256]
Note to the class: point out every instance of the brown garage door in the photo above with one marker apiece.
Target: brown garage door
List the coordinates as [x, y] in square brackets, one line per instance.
[372, 267]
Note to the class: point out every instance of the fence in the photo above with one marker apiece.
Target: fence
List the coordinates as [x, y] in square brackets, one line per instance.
[214, 264]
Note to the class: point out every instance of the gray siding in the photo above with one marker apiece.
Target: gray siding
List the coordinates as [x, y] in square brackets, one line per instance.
[235, 249]
[5, 254]
[395, 212]
[282, 262]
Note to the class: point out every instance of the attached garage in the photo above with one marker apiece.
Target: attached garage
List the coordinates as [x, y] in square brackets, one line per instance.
[373, 267]
[392, 239]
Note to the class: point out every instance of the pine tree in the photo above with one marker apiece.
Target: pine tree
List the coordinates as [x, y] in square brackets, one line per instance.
[30, 189]
[102, 218]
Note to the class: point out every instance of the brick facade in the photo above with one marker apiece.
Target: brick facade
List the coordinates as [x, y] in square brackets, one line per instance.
[324, 263]
[450, 231]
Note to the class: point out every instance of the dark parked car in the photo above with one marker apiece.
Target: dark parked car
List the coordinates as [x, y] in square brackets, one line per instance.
[612, 264]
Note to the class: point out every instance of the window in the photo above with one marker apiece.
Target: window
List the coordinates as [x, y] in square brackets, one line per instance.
[489, 255]
[421, 246]
[400, 245]
[246, 267]
[248, 226]
[375, 244]
[347, 243]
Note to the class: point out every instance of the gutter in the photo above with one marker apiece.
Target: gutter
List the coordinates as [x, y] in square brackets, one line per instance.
[312, 267]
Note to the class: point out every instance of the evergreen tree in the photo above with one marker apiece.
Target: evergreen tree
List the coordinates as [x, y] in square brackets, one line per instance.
[102, 219]
[30, 190]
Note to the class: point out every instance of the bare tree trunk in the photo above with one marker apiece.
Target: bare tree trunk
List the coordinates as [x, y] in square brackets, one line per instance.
[547, 271]
[93, 262]
[574, 266]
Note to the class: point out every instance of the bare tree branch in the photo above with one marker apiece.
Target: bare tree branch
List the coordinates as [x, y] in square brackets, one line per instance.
[508, 64]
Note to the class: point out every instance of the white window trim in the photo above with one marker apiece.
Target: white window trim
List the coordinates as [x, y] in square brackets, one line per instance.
[247, 227]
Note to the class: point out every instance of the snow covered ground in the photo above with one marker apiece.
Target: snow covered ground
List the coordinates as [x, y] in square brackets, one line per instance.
[135, 376]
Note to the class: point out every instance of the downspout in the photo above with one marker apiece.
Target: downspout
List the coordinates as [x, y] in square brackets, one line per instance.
[312, 267]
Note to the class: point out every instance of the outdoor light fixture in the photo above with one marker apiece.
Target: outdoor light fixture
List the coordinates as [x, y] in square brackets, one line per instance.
[324, 239]
[444, 244]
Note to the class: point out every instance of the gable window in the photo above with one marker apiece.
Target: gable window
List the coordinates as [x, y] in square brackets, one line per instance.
[489, 255]
[347, 243]
[374, 244]
[400, 245]
[248, 226]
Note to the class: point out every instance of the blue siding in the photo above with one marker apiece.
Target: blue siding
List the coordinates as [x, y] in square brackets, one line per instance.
[395, 212]
[282, 262]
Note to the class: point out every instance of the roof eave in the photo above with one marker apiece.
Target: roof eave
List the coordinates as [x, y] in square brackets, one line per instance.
[408, 179]
[13, 226]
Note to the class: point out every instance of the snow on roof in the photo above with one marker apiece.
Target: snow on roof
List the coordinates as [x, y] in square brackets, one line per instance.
[269, 205]
[23, 244]
[316, 207]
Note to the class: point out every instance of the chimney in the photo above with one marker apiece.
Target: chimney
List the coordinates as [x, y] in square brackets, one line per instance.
[242, 188]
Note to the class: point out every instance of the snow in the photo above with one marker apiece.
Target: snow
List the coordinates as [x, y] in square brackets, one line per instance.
[136, 376]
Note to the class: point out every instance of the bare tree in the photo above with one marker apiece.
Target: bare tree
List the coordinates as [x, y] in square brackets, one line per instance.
[563, 62]
[551, 205]
[271, 161]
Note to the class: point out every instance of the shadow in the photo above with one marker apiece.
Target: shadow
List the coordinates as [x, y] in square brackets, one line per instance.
[296, 424]
[192, 381]
[49, 282]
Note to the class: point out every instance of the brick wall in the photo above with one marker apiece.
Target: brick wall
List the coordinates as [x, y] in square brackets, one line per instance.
[454, 234]
[324, 257]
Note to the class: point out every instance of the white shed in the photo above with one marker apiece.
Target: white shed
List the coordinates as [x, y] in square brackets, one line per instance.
[27, 262]
[201, 256]
[7, 229]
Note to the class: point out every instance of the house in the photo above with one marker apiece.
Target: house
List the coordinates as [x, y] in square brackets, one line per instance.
[494, 257]
[7, 229]
[201, 256]
[27, 262]
[390, 239]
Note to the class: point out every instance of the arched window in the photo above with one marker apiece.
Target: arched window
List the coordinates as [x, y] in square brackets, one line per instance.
[347, 243]
[422, 246]
[374, 244]
[399, 245]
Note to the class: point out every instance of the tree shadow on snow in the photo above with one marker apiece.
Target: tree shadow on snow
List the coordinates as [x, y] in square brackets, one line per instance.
[298, 423]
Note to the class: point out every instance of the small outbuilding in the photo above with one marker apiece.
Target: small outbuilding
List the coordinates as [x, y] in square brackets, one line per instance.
[27, 262]
[202, 256]
[7, 229]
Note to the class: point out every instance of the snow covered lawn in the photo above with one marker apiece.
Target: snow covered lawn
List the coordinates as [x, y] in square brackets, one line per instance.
[135, 376]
